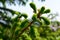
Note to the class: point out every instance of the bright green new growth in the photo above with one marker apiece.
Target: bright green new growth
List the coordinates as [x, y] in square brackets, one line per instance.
[47, 11]
[34, 17]
[32, 5]
[25, 36]
[42, 9]
[24, 15]
[34, 31]
[24, 23]
[46, 20]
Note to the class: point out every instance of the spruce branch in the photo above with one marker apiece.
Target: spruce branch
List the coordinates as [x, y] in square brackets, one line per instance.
[2, 8]
[24, 30]
[38, 16]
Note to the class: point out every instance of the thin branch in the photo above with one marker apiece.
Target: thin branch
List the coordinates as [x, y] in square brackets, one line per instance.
[39, 14]
[10, 10]
[24, 30]
[2, 8]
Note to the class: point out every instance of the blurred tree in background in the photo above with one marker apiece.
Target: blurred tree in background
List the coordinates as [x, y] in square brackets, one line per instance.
[38, 28]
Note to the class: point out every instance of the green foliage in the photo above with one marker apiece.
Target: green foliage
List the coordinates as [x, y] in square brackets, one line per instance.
[47, 11]
[24, 15]
[42, 9]
[25, 37]
[32, 5]
[24, 23]
[22, 2]
[9, 10]
[35, 33]
[46, 20]
[10, 2]
[16, 29]
[3, 1]
[34, 17]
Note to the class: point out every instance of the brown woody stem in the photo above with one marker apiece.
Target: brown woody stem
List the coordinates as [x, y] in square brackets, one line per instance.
[24, 29]
[38, 16]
